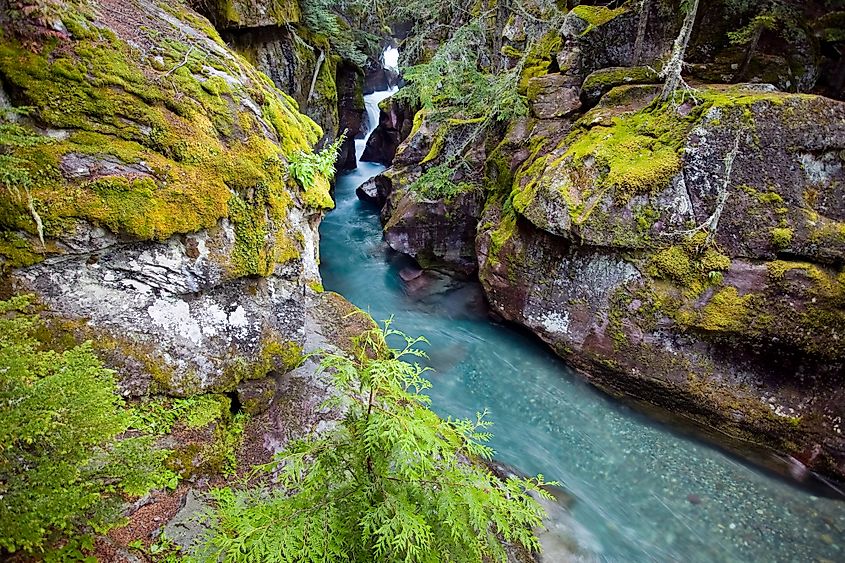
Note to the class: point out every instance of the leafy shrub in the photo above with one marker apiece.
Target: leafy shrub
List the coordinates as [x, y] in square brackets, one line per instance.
[305, 166]
[61, 468]
[436, 183]
[392, 482]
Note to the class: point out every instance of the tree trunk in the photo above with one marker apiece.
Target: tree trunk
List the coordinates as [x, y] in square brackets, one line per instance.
[673, 69]
[320, 59]
[645, 8]
[749, 54]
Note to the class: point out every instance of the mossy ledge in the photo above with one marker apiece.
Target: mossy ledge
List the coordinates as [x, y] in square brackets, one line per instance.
[166, 135]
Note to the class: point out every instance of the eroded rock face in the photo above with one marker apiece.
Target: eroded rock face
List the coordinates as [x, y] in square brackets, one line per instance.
[427, 215]
[436, 233]
[173, 237]
[605, 256]
[226, 14]
[294, 64]
[351, 112]
[396, 120]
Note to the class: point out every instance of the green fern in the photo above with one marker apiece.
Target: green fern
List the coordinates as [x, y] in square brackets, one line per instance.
[392, 482]
[304, 166]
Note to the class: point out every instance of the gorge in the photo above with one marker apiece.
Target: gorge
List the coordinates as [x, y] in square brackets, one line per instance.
[644, 288]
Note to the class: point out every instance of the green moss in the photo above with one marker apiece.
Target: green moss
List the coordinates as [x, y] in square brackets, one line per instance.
[637, 155]
[539, 59]
[183, 138]
[17, 252]
[212, 453]
[596, 16]
[607, 78]
[781, 237]
[725, 311]
[275, 356]
[690, 265]
[499, 237]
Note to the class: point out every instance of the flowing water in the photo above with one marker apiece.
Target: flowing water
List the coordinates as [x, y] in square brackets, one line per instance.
[642, 492]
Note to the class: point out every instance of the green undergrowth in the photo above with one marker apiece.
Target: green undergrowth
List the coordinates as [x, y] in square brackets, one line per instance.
[162, 414]
[436, 183]
[67, 461]
[390, 482]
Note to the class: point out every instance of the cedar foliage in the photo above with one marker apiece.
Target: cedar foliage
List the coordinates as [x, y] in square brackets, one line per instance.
[392, 482]
[61, 469]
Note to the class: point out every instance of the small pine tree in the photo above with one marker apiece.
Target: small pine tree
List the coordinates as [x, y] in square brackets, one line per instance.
[392, 482]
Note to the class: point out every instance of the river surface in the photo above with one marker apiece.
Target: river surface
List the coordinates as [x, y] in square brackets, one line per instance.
[642, 491]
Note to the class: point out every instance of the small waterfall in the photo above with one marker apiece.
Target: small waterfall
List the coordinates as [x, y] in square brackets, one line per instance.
[390, 59]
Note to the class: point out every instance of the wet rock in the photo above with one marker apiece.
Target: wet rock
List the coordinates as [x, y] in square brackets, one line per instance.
[435, 233]
[407, 274]
[395, 123]
[560, 266]
[350, 100]
[368, 191]
[379, 78]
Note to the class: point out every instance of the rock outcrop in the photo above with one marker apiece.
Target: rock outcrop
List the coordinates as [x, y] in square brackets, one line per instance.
[605, 255]
[275, 38]
[396, 120]
[687, 255]
[146, 201]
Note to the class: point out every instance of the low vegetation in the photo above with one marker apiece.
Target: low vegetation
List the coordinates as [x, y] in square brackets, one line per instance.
[391, 482]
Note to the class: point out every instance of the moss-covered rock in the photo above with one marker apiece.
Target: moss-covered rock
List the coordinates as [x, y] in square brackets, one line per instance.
[610, 242]
[227, 14]
[158, 181]
[294, 58]
[598, 83]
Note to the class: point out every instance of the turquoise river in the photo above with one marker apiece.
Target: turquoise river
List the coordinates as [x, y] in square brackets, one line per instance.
[642, 491]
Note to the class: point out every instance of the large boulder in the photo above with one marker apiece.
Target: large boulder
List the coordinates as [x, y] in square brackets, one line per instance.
[146, 201]
[433, 195]
[690, 255]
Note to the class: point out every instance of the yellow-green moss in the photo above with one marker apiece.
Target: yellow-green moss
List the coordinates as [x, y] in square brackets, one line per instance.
[639, 154]
[276, 356]
[539, 59]
[725, 311]
[609, 77]
[781, 237]
[186, 139]
[504, 231]
[597, 15]
[690, 265]
[17, 252]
